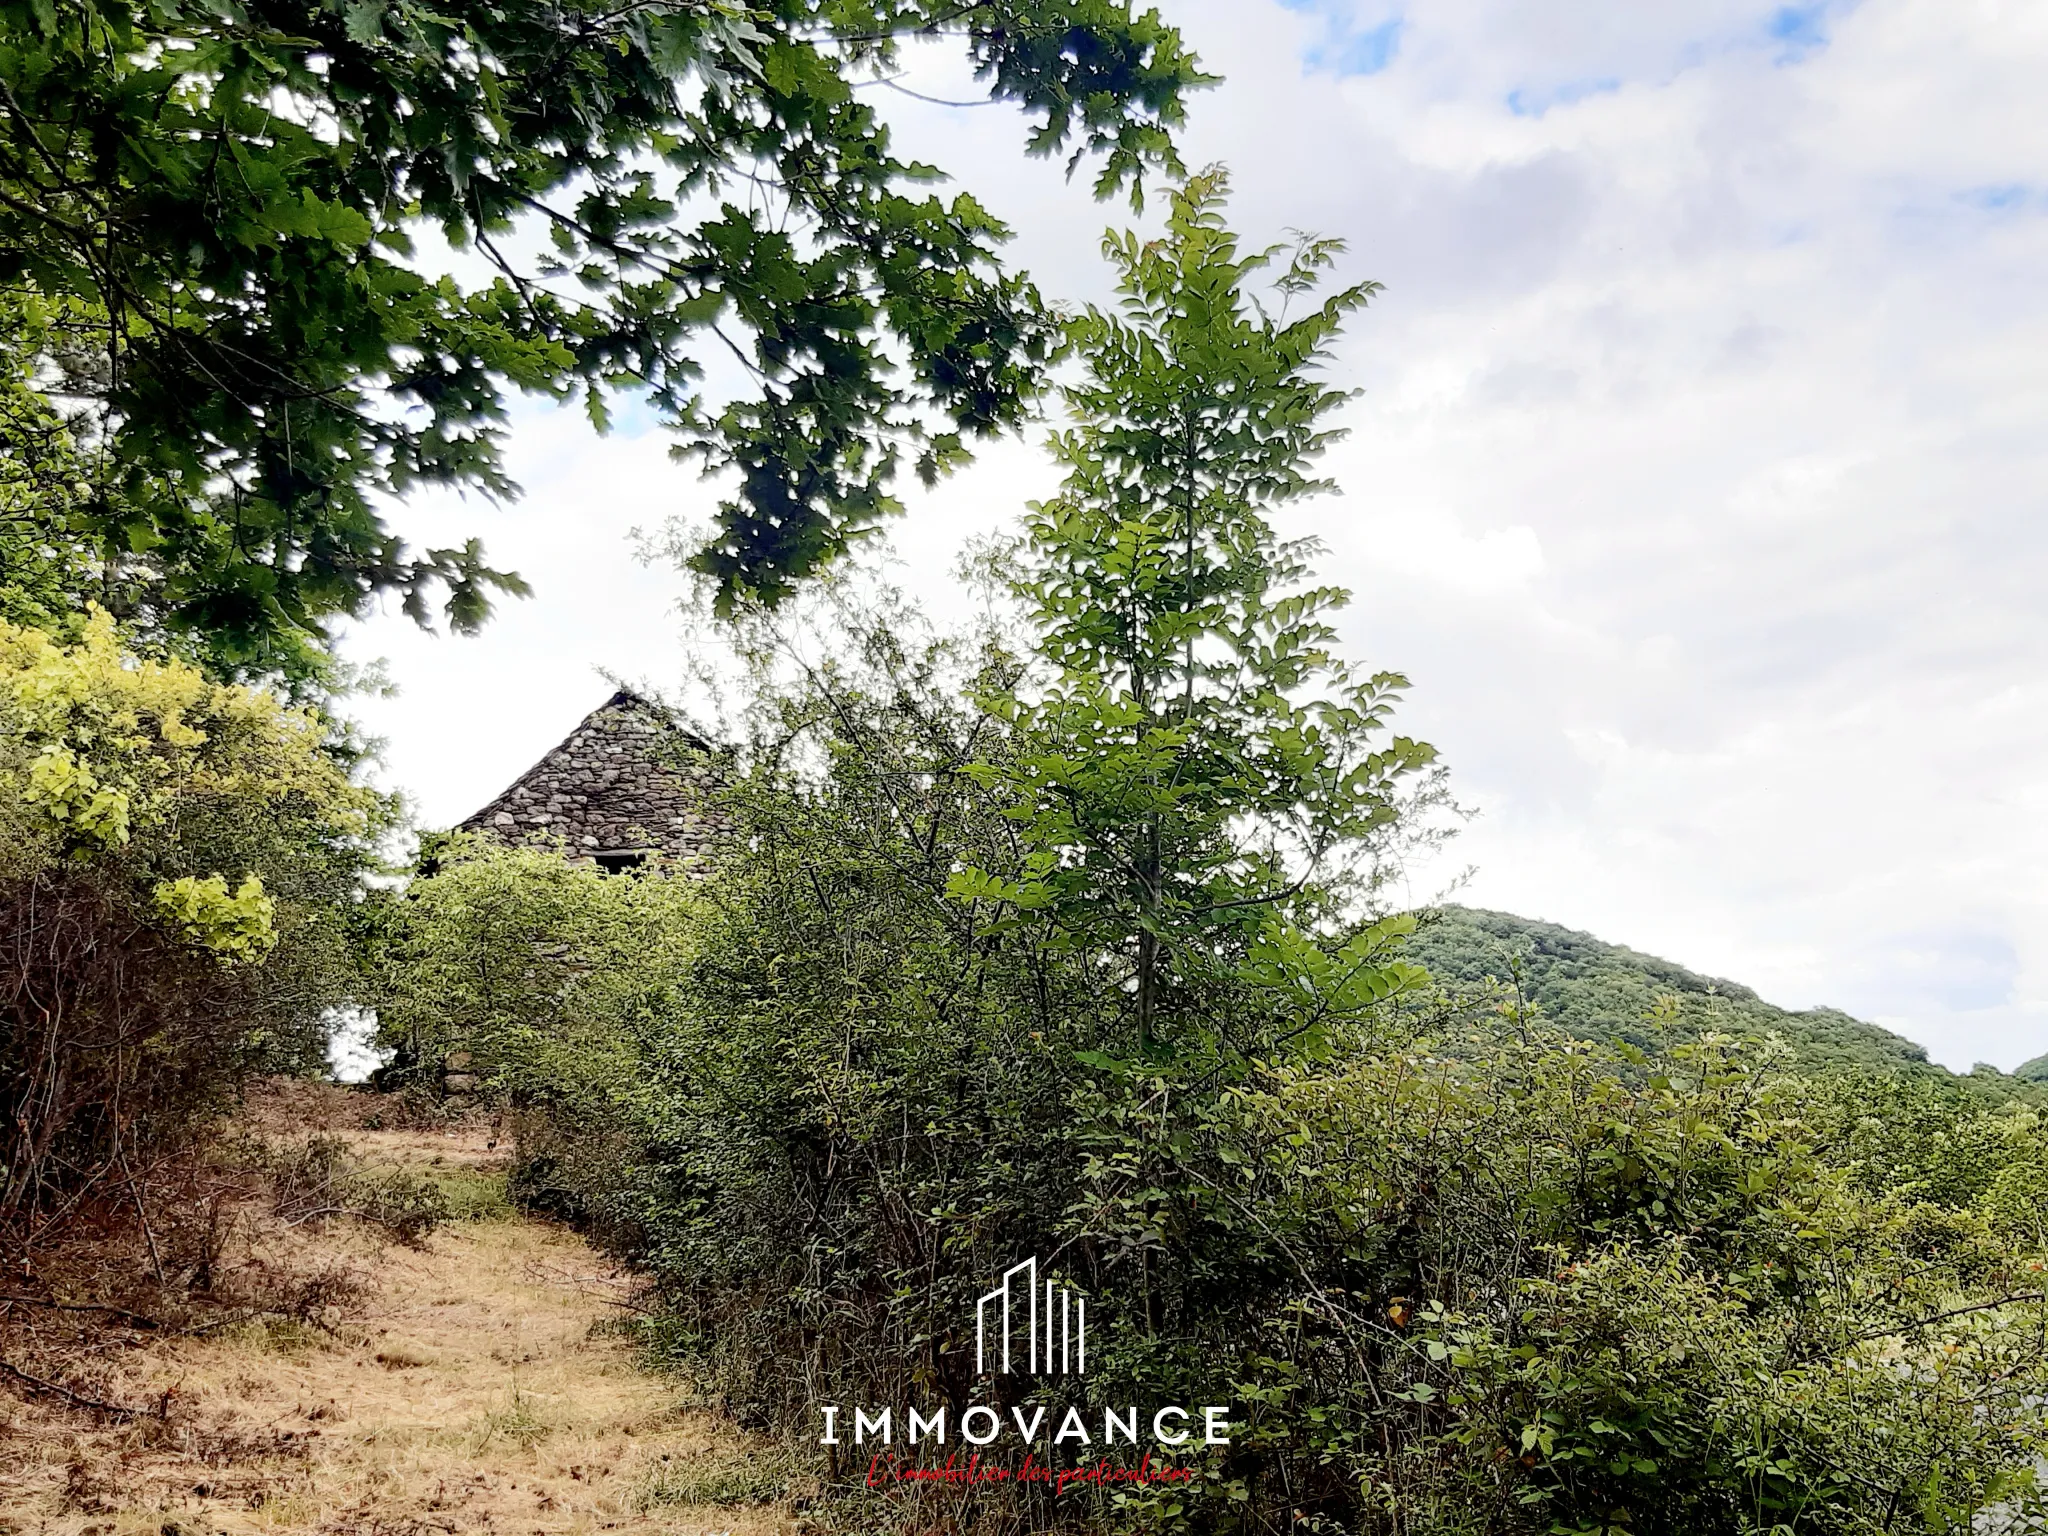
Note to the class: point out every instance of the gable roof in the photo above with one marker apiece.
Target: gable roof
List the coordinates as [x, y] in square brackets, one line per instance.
[629, 778]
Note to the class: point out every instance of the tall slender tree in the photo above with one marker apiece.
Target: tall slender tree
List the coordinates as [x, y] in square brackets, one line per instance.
[1205, 765]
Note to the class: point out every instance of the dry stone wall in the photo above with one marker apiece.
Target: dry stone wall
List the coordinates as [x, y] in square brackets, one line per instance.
[627, 780]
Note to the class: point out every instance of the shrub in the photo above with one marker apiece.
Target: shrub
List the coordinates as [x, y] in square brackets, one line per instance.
[544, 975]
[1455, 1270]
[1604, 1290]
[321, 1179]
[515, 956]
[178, 864]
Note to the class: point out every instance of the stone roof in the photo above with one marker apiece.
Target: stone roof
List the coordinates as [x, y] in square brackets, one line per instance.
[629, 779]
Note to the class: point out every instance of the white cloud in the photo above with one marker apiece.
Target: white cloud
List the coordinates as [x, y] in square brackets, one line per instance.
[1698, 483]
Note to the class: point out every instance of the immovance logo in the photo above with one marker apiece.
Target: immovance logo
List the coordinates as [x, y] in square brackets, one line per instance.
[1047, 1330]
[1028, 1325]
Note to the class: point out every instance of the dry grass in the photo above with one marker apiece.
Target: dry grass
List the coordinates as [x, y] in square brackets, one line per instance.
[471, 1387]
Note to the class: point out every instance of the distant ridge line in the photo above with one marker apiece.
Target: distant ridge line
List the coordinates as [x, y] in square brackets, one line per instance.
[1601, 991]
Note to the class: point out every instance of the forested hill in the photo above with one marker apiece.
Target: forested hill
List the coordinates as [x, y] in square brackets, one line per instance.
[1605, 991]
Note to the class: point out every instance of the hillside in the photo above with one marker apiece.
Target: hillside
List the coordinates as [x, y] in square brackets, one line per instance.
[1604, 991]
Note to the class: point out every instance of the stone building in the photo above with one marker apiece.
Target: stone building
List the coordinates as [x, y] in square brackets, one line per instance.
[626, 786]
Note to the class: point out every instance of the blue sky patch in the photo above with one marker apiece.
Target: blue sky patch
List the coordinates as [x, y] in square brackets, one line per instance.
[2008, 198]
[1799, 29]
[1362, 53]
[1347, 48]
[1534, 101]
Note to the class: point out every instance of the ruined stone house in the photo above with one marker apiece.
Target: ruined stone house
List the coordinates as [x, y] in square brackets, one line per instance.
[628, 786]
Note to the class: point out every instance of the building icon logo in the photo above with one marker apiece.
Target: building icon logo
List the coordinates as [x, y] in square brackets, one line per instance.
[1043, 1329]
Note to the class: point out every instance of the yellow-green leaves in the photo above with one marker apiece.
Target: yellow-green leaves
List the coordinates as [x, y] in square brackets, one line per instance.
[69, 792]
[538, 968]
[182, 905]
[237, 925]
[148, 767]
[96, 742]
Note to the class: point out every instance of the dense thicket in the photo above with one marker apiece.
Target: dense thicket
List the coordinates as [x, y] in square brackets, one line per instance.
[1453, 1270]
[178, 866]
[1068, 947]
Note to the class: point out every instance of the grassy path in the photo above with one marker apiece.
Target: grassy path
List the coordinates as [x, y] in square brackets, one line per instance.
[468, 1387]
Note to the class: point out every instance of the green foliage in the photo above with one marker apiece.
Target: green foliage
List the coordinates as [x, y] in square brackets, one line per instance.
[544, 979]
[107, 748]
[1585, 1288]
[832, 1125]
[208, 218]
[180, 865]
[1456, 1271]
[1202, 762]
[518, 1421]
[1600, 991]
[47, 569]
[526, 962]
[235, 925]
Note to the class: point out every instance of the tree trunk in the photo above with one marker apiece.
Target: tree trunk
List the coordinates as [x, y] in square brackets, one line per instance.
[1148, 941]
[1148, 982]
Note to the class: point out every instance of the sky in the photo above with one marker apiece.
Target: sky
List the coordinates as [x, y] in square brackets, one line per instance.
[1696, 480]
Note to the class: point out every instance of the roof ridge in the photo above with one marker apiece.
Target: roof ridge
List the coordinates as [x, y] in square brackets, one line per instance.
[612, 782]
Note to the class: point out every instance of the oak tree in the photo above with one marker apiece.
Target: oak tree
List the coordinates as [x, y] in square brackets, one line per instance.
[209, 222]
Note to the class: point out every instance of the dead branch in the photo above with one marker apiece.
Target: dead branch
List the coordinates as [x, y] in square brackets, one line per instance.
[78, 1399]
[123, 1313]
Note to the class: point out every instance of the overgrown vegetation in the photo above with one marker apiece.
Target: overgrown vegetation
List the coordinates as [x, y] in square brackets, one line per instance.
[321, 1179]
[1065, 938]
[178, 866]
[1065, 942]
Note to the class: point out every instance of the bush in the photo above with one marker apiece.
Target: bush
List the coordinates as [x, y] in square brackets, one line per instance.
[178, 866]
[1451, 1266]
[516, 957]
[320, 1179]
[1612, 1291]
[543, 977]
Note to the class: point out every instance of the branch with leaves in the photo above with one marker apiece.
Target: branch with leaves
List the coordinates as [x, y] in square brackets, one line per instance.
[235, 191]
